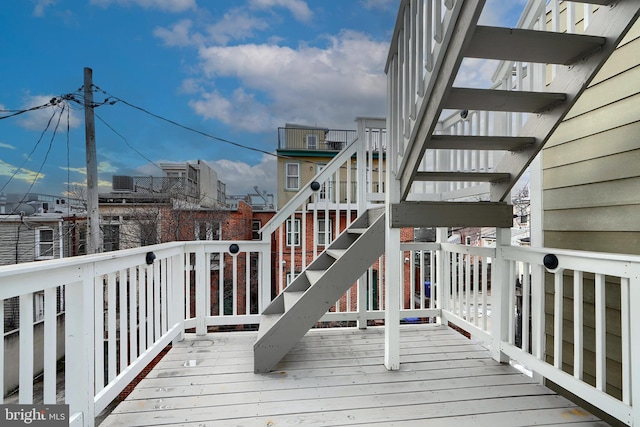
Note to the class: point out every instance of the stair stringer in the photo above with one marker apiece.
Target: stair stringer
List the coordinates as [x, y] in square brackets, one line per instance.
[337, 277]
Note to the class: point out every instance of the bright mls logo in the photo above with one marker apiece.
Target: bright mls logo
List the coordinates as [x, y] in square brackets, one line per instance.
[34, 415]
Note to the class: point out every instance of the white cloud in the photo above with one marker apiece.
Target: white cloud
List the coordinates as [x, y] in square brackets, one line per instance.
[298, 8]
[328, 86]
[235, 25]
[9, 146]
[165, 5]
[380, 4]
[240, 177]
[177, 35]
[38, 119]
[23, 174]
[41, 5]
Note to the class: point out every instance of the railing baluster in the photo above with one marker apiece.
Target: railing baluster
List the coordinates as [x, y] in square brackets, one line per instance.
[625, 332]
[526, 306]
[557, 318]
[157, 305]
[25, 394]
[485, 287]
[601, 333]
[123, 321]
[50, 346]
[133, 321]
[111, 327]
[578, 319]
[234, 285]
[99, 332]
[221, 269]
[142, 335]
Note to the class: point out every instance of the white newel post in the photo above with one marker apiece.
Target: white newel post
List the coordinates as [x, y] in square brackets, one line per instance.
[361, 198]
[264, 291]
[80, 348]
[440, 280]
[500, 283]
[177, 302]
[393, 272]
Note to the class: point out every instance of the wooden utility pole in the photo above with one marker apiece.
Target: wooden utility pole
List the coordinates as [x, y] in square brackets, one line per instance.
[93, 237]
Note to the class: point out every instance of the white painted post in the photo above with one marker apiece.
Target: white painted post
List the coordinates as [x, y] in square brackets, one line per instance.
[362, 302]
[26, 349]
[440, 281]
[80, 346]
[393, 282]
[264, 292]
[500, 283]
[634, 345]
[201, 327]
[177, 302]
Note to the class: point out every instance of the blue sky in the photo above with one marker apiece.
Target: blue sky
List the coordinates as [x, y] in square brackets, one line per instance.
[235, 69]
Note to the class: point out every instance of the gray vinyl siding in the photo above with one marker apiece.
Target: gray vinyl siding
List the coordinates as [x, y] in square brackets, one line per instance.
[591, 197]
[591, 165]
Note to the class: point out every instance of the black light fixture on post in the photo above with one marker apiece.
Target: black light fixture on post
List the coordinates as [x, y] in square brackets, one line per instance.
[150, 258]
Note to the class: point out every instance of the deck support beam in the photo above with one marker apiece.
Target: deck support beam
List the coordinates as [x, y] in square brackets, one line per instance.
[451, 214]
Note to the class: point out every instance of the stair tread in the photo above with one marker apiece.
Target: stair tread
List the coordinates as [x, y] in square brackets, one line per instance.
[462, 176]
[502, 100]
[336, 253]
[518, 44]
[290, 298]
[266, 321]
[467, 142]
[314, 275]
[356, 230]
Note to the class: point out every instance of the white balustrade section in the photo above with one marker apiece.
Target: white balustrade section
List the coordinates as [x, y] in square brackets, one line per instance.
[122, 312]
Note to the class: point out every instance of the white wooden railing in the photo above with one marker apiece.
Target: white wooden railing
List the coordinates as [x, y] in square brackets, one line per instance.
[506, 310]
[121, 312]
[124, 307]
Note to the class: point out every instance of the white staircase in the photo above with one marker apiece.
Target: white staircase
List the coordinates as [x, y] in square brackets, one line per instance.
[296, 310]
[421, 86]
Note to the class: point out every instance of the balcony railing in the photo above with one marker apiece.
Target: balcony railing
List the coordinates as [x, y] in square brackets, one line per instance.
[124, 307]
[299, 138]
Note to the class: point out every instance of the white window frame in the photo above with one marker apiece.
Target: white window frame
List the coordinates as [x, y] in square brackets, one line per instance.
[322, 233]
[287, 176]
[294, 236]
[256, 225]
[325, 194]
[312, 141]
[48, 252]
[213, 230]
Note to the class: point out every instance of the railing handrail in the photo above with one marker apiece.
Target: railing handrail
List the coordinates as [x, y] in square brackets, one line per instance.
[333, 166]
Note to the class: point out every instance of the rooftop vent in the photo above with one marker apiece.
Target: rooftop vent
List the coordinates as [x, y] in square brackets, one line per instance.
[122, 184]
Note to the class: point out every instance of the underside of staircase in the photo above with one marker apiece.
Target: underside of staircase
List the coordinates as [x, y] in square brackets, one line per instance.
[578, 57]
[311, 294]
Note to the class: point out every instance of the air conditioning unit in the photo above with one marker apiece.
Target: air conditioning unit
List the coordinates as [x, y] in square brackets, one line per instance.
[122, 184]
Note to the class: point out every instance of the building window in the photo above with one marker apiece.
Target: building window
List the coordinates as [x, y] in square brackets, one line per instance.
[293, 232]
[291, 276]
[256, 225]
[111, 237]
[292, 178]
[206, 230]
[324, 231]
[44, 243]
[312, 142]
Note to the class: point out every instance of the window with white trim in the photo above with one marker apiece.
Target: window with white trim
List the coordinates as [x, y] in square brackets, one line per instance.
[293, 232]
[324, 235]
[292, 176]
[205, 230]
[312, 141]
[256, 225]
[44, 243]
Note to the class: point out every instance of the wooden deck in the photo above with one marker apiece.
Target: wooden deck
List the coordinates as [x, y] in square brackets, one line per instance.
[336, 377]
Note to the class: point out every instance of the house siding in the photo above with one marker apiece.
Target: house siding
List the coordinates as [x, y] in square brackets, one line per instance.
[591, 200]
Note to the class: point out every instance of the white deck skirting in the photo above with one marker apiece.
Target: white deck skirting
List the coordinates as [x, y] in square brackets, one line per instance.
[336, 377]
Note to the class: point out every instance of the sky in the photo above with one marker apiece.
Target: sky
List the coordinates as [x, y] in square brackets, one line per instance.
[235, 70]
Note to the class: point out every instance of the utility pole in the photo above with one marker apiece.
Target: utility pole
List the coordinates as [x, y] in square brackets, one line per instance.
[93, 238]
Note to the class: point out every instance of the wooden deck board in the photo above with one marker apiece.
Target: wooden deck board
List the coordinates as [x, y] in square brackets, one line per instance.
[336, 377]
